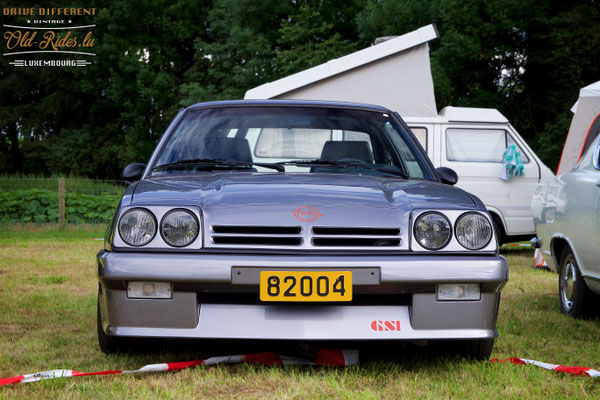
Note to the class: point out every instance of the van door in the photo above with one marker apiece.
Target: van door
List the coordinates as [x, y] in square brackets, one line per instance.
[475, 153]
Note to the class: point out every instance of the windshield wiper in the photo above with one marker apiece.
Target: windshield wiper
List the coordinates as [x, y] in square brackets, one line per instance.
[207, 162]
[344, 164]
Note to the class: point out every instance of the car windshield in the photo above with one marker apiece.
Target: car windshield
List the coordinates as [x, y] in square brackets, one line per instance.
[289, 140]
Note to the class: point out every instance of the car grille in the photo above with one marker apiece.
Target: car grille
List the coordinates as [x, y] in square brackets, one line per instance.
[318, 237]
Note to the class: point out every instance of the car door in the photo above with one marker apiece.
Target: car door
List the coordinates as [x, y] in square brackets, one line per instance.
[582, 211]
[475, 153]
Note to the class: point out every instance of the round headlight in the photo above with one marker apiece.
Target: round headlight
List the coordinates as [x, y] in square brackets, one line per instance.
[137, 227]
[432, 231]
[473, 231]
[179, 228]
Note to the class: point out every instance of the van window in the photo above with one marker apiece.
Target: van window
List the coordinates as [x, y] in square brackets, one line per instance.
[421, 135]
[510, 140]
[478, 145]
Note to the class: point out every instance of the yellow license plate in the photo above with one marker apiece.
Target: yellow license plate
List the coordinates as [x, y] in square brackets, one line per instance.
[305, 285]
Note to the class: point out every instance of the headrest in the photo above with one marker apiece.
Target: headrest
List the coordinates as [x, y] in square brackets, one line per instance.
[334, 151]
[229, 149]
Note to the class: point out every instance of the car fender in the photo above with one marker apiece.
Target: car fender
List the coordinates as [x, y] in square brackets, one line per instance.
[562, 236]
[494, 210]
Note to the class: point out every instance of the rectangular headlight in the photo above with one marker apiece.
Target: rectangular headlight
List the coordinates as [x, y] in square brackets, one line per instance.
[458, 291]
[149, 290]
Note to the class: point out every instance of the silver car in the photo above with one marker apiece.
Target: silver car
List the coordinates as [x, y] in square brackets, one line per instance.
[567, 220]
[301, 221]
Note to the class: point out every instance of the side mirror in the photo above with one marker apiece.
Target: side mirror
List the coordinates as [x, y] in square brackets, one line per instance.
[134, 171]
[447, 175]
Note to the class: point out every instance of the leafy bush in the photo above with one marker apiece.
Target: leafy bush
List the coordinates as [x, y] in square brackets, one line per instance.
[41, 205]
[73, 184]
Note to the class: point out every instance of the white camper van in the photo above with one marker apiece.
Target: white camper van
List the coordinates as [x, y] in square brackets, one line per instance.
[472, 142]
[396, 74]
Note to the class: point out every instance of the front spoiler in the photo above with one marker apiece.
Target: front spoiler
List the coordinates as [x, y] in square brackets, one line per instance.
[189, 315]
[235, 321]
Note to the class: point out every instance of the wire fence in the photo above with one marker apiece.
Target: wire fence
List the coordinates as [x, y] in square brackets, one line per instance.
[58, 200]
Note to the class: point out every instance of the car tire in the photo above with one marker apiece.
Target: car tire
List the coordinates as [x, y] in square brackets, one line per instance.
[111, 344]
[574, 295]
[476, 349]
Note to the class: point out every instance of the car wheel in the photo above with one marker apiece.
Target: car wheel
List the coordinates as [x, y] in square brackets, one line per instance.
[476, 349]
[573, 292]
[111, 344]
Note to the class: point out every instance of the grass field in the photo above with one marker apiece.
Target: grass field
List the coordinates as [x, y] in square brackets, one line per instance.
[48, 321]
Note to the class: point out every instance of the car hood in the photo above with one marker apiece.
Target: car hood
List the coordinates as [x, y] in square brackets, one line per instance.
[254, 196]
[259, 189]
[300, 200]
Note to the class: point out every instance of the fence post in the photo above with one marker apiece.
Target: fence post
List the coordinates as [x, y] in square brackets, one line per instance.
[61, 203]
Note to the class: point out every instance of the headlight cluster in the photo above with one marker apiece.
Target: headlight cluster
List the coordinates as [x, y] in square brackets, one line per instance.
[473, 231]
[137, 227]
[433, 231]
[178, 227]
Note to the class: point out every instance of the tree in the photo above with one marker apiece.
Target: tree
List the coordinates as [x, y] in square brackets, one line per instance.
[526, 58]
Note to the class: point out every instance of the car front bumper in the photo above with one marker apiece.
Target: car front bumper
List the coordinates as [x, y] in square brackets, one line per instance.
[216, 296]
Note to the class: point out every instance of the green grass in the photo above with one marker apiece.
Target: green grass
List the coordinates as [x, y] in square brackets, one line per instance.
[47, 321]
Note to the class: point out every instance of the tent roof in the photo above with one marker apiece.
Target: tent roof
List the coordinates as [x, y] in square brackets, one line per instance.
[592, 90]
[343, 64]
[584, 127]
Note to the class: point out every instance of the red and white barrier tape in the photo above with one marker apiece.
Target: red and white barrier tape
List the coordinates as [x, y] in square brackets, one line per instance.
[332, 358]
[554, 367]
[324, 357]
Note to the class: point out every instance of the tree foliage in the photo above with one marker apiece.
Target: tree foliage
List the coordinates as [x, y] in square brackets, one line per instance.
[527, 58]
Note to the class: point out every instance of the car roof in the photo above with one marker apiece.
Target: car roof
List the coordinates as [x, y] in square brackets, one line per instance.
[289, 103]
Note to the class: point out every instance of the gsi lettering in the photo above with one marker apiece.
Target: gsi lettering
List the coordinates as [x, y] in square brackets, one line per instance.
[385, 325]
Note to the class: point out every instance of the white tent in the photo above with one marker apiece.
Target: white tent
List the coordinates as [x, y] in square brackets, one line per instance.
[583, 129]
[395, 74]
